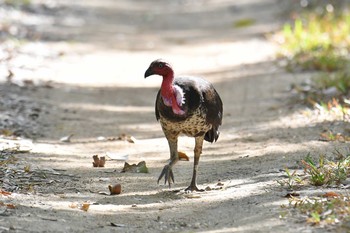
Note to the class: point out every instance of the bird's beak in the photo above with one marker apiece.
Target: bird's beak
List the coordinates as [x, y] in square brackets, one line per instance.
[149, 72]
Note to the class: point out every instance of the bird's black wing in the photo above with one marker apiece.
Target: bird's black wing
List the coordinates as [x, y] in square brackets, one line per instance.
[213, 105]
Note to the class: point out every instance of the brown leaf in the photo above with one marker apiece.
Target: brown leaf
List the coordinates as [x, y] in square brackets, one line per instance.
[10, 206]
[139, 168]
[85, 206]
[183, 156]
[98, 162]
[102, 161]
[331, 194]
[115, 189]
[4, 193]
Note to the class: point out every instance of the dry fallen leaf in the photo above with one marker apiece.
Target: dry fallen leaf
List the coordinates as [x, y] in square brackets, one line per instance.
[102, 161]
[4, 193]
[98, 162]
[330, 194]
[115, 189]
[139, 168]
[85, 206]
[330, 136]
[183, 156]
[10, 206]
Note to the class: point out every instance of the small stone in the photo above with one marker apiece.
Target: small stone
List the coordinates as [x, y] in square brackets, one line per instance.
[197, 225]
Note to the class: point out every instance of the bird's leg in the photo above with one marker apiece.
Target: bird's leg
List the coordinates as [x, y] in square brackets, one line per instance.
[197, 154]
[174, 157]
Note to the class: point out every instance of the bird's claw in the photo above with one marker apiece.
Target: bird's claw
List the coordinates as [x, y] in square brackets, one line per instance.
[192, 188]
[167, 172]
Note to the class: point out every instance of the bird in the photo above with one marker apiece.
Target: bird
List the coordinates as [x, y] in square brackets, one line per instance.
[185, 105]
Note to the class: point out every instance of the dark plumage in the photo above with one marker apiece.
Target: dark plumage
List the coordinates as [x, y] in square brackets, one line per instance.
[189, 106]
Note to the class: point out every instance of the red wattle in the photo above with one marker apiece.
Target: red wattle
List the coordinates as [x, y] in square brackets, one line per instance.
[176, 108]
[167, 91]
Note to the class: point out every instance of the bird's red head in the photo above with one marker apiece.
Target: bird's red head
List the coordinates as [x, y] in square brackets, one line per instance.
[159, 67]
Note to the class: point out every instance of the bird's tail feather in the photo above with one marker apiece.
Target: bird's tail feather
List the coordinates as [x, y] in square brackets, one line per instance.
[212, 135]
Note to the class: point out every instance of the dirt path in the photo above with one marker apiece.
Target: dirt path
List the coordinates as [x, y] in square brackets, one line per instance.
[99, 90]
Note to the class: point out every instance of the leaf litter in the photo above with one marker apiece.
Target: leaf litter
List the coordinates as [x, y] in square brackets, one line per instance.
[135, 168]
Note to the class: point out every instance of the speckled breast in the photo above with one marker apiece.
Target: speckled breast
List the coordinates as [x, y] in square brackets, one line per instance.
[192, 126]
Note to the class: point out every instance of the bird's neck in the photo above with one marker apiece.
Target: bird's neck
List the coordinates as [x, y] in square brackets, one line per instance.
[167, 89]
[167, 92]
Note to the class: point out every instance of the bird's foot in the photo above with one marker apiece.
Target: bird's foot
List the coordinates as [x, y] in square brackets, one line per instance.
[192, 188]
[167, 172]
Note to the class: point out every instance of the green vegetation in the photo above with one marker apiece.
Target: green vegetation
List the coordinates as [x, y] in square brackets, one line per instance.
[243, 23]
[17, 2]
[319, 172]
[293, 179]
[340, 80]
[326, 172]
[331, 208]
[320, 41]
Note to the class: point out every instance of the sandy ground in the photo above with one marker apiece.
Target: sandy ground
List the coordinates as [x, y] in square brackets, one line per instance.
[94, 55]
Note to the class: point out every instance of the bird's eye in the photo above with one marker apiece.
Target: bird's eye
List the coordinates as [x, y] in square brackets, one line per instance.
[160, 65]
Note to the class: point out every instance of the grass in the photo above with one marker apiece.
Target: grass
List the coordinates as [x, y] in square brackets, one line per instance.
[17, 2]
[326, 172]
[331, 208]
[317, 41]
[339, 80]
[292, 181]
[330, 136]
[319, 172]
[321, 42]
[242, 23]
